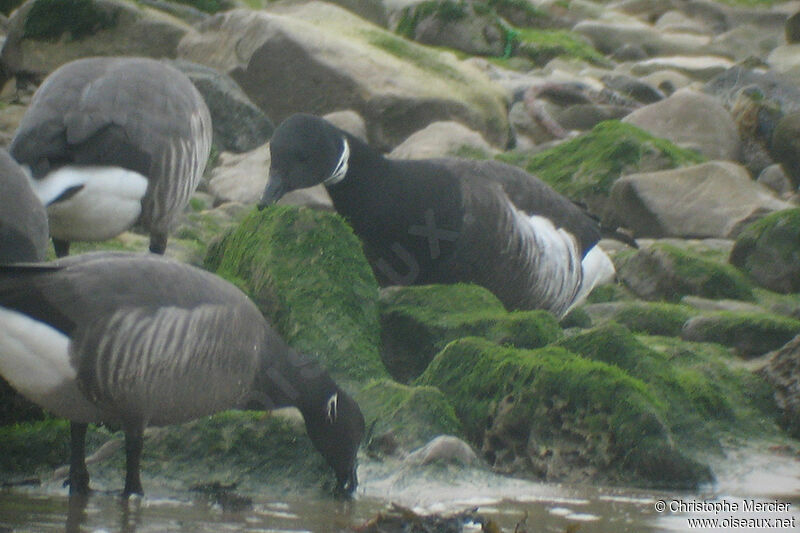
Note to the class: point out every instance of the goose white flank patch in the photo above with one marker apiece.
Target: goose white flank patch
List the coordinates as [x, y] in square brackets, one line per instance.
[446, 220]
[134, 340]
[113, 142]
[23, 220]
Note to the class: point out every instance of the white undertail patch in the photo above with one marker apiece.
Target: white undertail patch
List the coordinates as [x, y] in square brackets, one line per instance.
[340, 170]
[108, 202]
[35, 360]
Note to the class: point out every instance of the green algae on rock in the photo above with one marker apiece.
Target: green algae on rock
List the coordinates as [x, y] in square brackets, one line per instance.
[417, 322]
[562, 415]
[587, 166]
[307, 273]
[412, 414]
[750, 334]
[666, 272]
[768, 250]
[654, 318]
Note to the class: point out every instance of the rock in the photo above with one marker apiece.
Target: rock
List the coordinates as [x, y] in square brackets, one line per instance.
[45, 34]
[635, 88]
[783, 91]
[609, 36]
[550, 413]
[665, 272]
[786, 60]
[349, 121]
[651, 318]
[714, 199]
[785, 146]
[774, 178]
[744, 42]
[346, 63]
[783, 373]
[418, 321]
[307, 273]
[443, 139]
[707, 304]
[793, 29]
[443, 449]
[585, 168]
[239, 126]
[413, 415]
[702, 68]
[240, 177]
[769, 251]
[750, 334]
[693, 120]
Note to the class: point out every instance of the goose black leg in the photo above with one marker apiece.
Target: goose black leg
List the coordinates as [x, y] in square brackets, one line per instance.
[61, 247]
[134, 440]
[78, 473]
[158, 243]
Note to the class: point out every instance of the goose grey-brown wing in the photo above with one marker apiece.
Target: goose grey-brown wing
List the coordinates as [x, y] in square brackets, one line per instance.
[534, 197]
[23, 220]
[167, 364]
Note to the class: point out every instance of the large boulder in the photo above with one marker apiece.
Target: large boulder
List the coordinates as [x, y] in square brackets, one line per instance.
[785, 146]
[45, 34]
[307, 273]
[443, 139]
[769, 251]
[750, 334]
[317, 58]
[714, 199]
[609, 36]
[693, 120]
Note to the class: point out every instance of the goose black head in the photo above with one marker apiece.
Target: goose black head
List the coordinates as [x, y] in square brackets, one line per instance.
[305, 151]
[335, 426]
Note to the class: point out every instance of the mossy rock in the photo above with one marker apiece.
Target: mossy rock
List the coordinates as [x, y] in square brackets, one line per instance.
[750, 334]
[412, 415]
[562, 415]
[769, 251]
[306, 271]
[654, 318]
[666, 272]
[541, 46]
[417, 322]
[706, 394]
[587, 166]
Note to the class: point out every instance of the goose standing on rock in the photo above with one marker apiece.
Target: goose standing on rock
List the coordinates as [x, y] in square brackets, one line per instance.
[23, 220]
[136, 339]
[446, 220]
[112, 142]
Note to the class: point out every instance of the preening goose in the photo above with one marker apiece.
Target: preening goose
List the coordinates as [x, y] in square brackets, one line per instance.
[135, 340]
[446, 220]
[23, 220]
[112, 142]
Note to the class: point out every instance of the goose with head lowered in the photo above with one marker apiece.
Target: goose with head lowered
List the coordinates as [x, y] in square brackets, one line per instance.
[112, 142]
[137, 340]
[23, 220]
[446, 220]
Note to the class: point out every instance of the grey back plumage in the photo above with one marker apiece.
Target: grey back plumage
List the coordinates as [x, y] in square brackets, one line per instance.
[23, 220]
[136, 113]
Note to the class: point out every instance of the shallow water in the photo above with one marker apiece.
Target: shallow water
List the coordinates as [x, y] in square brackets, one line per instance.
[748, 476]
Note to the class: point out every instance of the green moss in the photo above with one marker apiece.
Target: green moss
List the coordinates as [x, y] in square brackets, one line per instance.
[417, 322]
[7, 6]
[769, 251]
[414, 415]
[590, 164]
[33, 447]
[668, 272]
[423, 57]
[306, 271]
[47, 20]
[543, 45]
[209, 6]
[445, 10]
[654, 318]
[553, 397]
[749, 333]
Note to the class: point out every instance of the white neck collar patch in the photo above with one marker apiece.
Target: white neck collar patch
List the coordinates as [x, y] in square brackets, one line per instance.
[340, 170]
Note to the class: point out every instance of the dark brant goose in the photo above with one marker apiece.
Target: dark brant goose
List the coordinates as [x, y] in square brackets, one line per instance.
[446, 220]
[112, 142]
[137, 340]
[23, 220]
